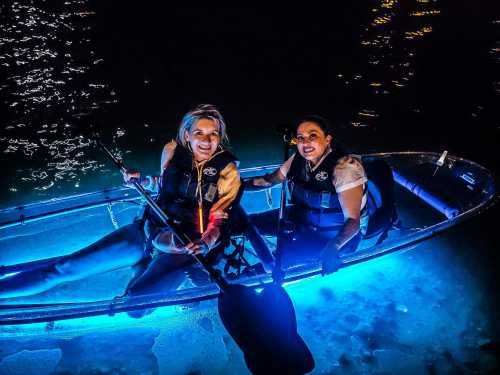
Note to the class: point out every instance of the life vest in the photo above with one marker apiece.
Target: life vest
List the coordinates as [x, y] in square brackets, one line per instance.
[181, 184]
[313, 195]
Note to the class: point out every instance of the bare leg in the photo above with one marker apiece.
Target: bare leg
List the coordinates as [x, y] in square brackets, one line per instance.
[121, 248]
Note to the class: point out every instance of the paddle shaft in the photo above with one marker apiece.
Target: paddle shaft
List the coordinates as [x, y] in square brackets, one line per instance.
[174, 228]
[277, 271]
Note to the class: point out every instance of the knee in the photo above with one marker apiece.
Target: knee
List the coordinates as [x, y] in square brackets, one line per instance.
[133, 234]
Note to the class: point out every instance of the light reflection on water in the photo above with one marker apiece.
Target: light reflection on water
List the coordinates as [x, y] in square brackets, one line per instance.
[53, 76]
[495, 56]
[390, 41]
[50, 77]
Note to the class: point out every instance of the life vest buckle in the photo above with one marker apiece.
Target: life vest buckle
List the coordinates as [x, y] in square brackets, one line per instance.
[325, 199]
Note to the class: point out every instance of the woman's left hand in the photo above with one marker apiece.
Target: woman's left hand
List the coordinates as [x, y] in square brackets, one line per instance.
[330, 261]
[198, 247]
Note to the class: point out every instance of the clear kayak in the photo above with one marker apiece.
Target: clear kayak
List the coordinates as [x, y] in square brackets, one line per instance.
[432, 192]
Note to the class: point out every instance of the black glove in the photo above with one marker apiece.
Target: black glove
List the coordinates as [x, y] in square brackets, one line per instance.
[249, 186]
[329, 260]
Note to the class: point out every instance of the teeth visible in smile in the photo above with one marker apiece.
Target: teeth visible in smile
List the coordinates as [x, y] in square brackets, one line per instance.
[308, 149]
[204, 148]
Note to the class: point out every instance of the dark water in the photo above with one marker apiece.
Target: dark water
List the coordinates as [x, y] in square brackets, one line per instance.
[418, 75]
[390, 75]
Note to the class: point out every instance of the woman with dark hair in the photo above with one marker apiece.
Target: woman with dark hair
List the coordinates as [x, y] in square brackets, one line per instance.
[328, 196]
[199, 182]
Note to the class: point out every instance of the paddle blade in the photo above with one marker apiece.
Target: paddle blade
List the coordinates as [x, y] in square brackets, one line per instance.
[265, 328]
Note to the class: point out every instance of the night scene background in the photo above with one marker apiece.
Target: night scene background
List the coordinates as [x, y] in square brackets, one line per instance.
[391, 75]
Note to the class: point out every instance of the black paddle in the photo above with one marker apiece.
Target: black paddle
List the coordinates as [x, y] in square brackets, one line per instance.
[262, 324]
[280, 350]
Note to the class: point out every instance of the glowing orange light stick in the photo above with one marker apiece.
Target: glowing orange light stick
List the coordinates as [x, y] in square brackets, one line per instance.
[200, 214]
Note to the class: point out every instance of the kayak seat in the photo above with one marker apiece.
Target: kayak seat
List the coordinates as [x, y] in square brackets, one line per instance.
[380, 198]
[243, 227]
[240, 224]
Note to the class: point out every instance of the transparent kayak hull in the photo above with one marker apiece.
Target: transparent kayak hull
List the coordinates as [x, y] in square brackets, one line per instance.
[432, 194]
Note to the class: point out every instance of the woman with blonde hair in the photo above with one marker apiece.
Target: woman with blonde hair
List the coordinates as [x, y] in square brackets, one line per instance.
[198, 184]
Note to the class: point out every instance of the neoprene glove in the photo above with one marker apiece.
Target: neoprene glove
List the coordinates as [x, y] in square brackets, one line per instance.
[329, 260]
[248, 184]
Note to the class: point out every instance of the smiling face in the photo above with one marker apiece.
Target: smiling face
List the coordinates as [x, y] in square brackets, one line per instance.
[312, 141]
[204, 138]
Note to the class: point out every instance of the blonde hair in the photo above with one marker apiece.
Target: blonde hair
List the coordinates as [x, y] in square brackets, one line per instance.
[202, 111]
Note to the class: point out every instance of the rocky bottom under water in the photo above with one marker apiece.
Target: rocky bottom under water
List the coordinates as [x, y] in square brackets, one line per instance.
[423, 311]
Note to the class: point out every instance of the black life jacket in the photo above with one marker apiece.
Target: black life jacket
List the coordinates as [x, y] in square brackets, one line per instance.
[178, 196]
[313, 195]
